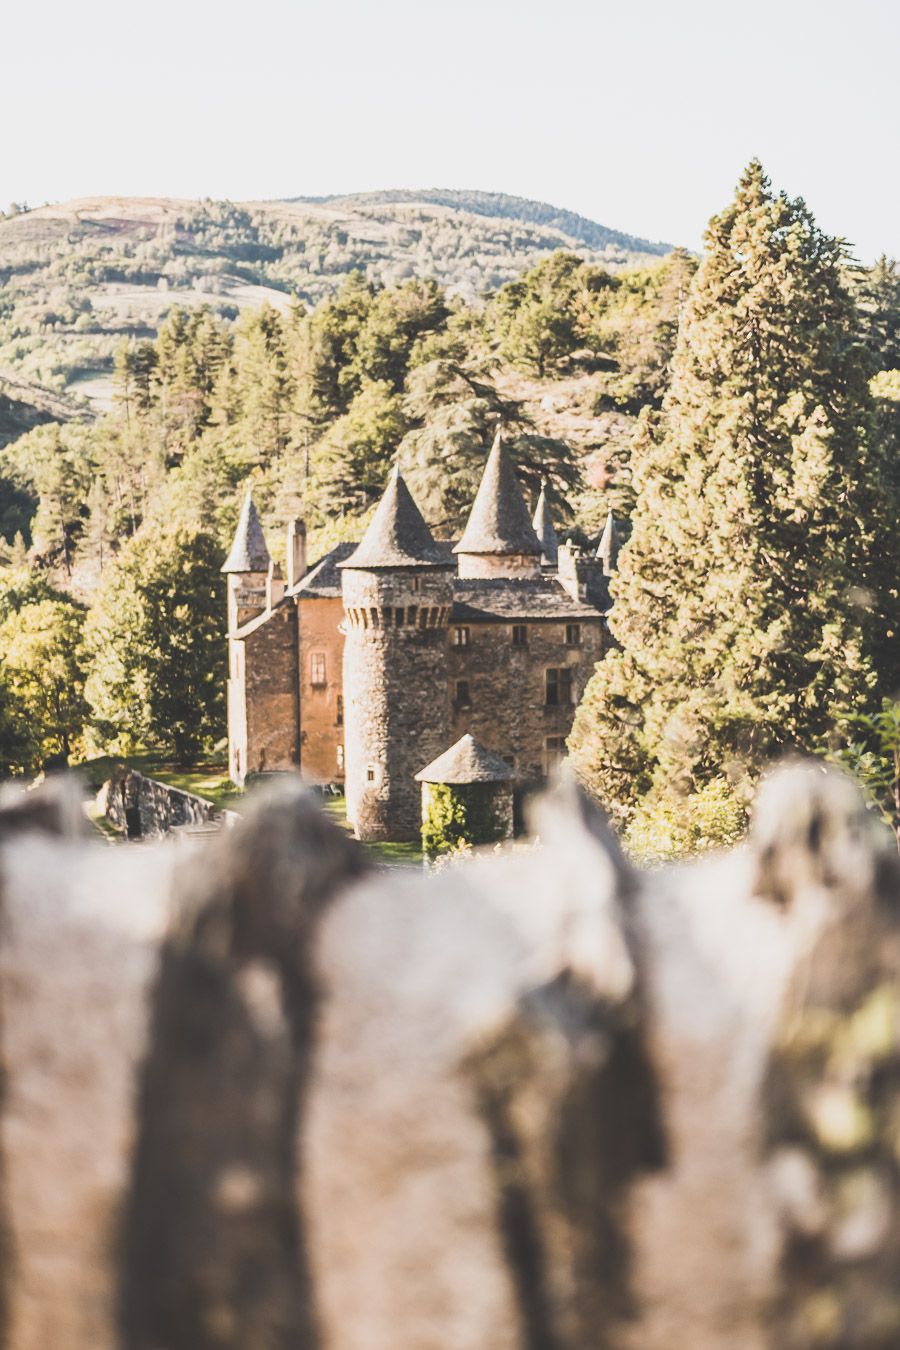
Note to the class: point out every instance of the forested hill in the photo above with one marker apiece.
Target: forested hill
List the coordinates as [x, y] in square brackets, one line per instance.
[502, 206]
[77, 278]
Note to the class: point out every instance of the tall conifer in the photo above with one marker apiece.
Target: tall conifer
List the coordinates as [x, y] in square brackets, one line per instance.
[743, 602]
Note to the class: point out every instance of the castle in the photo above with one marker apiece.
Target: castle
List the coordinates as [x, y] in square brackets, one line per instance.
[370, 664]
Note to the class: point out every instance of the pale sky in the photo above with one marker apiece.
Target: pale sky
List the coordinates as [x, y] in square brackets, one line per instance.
[638, 115]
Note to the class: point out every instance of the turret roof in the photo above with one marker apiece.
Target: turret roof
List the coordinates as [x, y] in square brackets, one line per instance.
[608, 548]
[543, 528]
[499, 521]
[249, 552]
[468, 761]
[397, 535]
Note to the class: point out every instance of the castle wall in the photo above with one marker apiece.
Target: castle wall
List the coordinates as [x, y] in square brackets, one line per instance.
[321, 644]
[270, 685]
[396, 710]
[507, 688]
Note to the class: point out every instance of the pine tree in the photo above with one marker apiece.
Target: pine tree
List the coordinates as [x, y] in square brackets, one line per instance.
[743, 604]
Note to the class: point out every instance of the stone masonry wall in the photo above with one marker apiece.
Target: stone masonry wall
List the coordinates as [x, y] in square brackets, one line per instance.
[270, 663]
[507, 688]
[395, 695]
[320, 731]
[142, 808]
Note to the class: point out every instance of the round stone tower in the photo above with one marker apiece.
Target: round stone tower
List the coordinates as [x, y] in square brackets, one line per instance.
[398, 592]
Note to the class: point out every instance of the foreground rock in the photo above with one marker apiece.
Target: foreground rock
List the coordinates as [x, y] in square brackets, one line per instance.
[259, 1095]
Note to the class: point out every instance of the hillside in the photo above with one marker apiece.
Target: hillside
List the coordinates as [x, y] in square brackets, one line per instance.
[501, 206]
[78, 277]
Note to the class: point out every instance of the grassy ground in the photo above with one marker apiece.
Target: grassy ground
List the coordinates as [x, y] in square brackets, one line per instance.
[204, 780]
[391, 855]
[212, 782]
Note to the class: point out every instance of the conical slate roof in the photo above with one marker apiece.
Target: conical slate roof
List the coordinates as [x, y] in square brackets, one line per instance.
[468, 761]
[248, 551]
[543, 528]
[608, 548]
[499, 522]
[397, 535]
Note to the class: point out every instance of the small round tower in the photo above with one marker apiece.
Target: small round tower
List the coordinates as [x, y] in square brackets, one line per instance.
[397, 592]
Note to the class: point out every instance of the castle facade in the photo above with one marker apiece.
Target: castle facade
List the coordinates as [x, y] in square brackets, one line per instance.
[365, 667]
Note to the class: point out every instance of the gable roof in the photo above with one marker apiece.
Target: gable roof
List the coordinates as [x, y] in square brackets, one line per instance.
[249, 552]
[468, 761]
[543, 528]
[499, 520]
[323, 580]
[397, 535]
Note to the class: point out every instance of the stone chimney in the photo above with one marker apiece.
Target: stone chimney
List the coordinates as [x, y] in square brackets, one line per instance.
[578, 572]
[296, 552]
[274, 585]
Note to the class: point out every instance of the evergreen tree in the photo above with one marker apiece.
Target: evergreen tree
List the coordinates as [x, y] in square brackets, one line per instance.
[742, 600]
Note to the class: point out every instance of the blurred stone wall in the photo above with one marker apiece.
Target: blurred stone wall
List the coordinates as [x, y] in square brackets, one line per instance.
[256, 1093]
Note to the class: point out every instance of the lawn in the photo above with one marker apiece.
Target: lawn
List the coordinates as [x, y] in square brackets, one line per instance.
[212, 782]
[204, 780]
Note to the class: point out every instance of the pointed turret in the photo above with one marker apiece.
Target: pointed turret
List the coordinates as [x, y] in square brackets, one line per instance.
[249, 552]
[543, 528]
[608, 548]
[499, 538]
[397, 535]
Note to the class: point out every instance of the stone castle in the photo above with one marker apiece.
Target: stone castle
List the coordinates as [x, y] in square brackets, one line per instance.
[363, 668]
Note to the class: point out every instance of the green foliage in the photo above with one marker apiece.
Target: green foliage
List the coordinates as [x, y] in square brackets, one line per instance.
[43, 677]
[458, 816]
[870, 749]
[665, 827]
[444, 821]
[744, 605]
[157, 655]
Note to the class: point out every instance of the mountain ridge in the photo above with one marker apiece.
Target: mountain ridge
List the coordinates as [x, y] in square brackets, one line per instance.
[503, 204]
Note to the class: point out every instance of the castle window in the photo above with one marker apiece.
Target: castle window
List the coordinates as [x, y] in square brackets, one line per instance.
[339, 717]
[399, 616]
[317, 669]
[519, 635]
[414, 583]
[554, 752]
[388, 615]
[411, 616]
[371, 773]
[460, 637]
[340, 759]
[573, 634]
[463, 698]
[559, 687]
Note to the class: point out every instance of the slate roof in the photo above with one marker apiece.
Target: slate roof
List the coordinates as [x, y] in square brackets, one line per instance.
[543, 528]
[608, 548]
[499, 520]
[505, 600]
[323, 580]
[468, 761]
[397, 535]
[249, 552]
